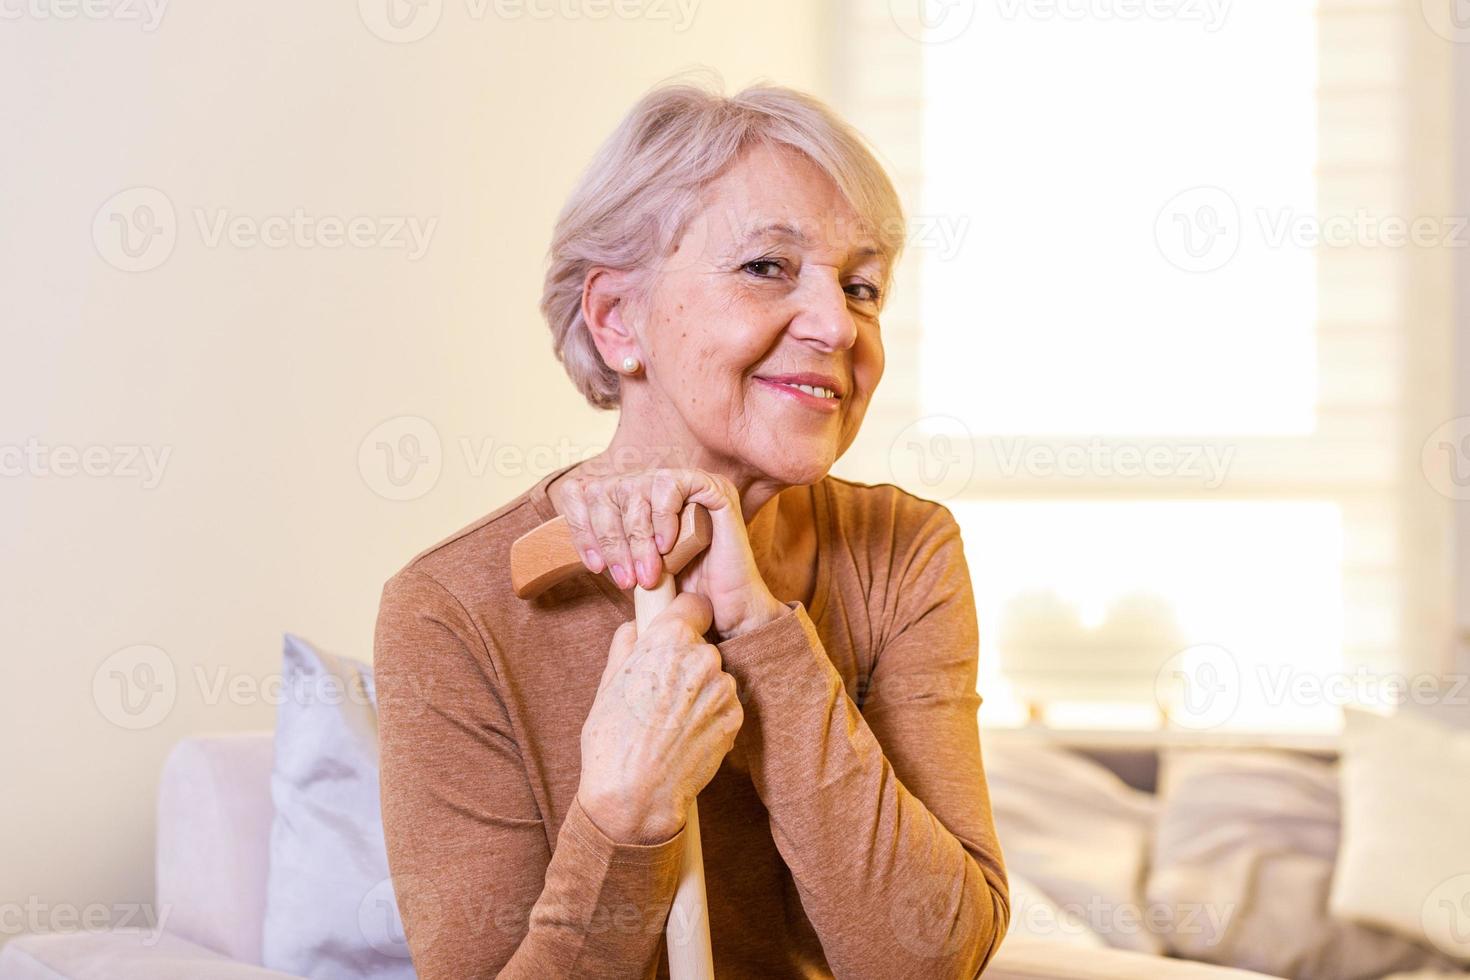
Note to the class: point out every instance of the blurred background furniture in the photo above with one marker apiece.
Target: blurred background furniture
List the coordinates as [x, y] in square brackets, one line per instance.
[214, 823]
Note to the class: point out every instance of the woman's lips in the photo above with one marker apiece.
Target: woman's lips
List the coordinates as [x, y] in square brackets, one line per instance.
[800, 397]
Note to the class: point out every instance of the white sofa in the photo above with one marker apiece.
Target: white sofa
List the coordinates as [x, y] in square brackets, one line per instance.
[214, 823]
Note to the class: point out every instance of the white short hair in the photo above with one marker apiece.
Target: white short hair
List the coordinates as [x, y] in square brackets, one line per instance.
[631, 204]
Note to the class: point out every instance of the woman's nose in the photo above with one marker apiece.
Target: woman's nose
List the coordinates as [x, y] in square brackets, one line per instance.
[822, 314]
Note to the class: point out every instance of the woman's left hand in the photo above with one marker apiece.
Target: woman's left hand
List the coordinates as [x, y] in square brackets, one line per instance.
[627, 522]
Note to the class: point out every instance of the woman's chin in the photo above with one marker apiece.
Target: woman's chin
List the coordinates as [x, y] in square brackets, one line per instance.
[796, 469]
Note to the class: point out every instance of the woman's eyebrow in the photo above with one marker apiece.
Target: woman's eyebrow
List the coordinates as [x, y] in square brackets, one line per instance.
[778, 229]
[782, 229]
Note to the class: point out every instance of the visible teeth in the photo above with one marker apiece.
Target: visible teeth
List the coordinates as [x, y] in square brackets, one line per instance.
[812, 390]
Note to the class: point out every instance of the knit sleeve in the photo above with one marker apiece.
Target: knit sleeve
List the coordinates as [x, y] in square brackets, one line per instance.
[882, 814]
[480, 887]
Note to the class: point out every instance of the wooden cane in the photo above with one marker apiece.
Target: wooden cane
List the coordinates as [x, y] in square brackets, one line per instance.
[545, 556]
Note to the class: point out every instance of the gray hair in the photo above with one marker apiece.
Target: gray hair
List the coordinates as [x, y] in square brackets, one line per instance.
[632, 203]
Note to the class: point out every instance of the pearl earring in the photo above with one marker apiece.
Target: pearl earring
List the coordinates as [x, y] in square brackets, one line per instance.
[631, 364]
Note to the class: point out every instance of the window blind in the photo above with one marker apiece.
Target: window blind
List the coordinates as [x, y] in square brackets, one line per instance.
[1284, 514]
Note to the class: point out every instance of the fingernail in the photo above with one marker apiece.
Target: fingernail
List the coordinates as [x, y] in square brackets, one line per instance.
[617, 571]
[638, 567]
[590, 557]
[658, 540]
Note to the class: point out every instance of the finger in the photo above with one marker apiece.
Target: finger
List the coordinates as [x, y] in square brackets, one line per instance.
[638, 528]
[666, 504]
[727, 715]
[607, 529]
[715, 493]
[689, 611]
[579, 522]
[619, 652]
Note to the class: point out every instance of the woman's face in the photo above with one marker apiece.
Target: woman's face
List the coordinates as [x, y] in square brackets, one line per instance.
[775, 283]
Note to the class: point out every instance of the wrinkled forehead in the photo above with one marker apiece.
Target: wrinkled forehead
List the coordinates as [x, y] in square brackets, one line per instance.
[737, 227]
[777, 194]
[838, 238]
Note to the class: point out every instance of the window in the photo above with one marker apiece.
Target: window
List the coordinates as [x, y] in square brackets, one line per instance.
[1171, 340]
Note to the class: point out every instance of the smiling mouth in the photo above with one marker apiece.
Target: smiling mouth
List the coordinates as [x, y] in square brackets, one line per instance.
[812, 396]
[816, 390]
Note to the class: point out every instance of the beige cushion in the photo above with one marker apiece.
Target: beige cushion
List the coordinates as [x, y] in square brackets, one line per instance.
[1244, 852]
[1035, 917]
[1031, 960]
[1078, 834]
[1405, 858]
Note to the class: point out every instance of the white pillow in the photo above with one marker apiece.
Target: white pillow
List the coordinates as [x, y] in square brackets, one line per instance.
[330, 911]
[1404, 864]
[1078, 833]
[1036, 917]
[1244, 851]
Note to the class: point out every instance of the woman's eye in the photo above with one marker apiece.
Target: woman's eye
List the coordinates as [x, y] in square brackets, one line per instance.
[766, 268]
[864, 291]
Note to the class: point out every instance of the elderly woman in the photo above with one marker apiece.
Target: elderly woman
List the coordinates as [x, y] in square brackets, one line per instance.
[717, 276]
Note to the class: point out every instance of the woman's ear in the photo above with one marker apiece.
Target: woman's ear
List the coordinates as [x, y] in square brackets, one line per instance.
[606, 297]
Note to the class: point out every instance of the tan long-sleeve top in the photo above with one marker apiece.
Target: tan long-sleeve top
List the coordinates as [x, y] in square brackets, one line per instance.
[847, 833]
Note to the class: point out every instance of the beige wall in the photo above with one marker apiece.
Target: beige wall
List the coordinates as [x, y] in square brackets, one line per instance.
[260, 371]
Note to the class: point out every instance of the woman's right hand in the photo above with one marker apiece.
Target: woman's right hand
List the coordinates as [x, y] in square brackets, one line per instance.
[664, 717]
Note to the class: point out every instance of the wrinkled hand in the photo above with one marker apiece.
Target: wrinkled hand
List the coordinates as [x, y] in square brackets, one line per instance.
[626, 523]
[665, 715]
